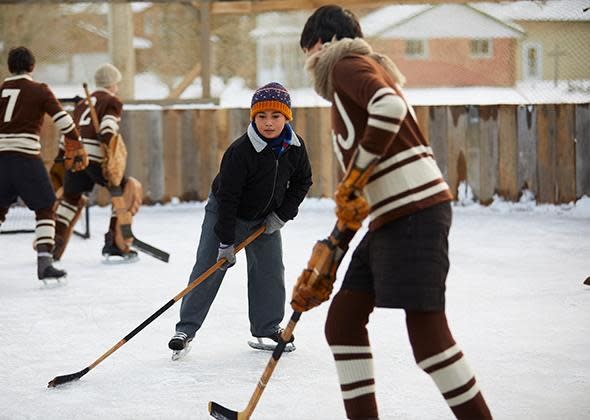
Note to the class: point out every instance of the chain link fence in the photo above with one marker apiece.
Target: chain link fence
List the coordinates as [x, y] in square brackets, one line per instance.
[523, 51]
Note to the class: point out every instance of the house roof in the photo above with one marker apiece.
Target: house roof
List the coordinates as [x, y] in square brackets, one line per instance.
[439, 21]
[549, 10]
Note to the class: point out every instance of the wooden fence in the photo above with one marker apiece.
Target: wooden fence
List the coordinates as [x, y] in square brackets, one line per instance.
[499, 149]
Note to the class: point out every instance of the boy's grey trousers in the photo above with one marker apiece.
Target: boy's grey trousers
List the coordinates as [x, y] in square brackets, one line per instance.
[266, 281]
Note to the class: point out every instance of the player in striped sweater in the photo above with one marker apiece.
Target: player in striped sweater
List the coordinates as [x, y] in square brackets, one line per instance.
[402, 262]
[23, 104]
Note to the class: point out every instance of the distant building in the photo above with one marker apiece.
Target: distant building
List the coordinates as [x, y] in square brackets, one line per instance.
[556, 41]
[450, 45]
[445, 44]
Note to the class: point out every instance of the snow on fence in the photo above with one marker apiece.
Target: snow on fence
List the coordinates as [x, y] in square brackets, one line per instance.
[497, 149]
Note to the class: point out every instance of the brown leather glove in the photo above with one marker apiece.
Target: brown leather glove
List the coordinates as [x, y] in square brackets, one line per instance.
[315, 283]
[351, 206]
[76, 158]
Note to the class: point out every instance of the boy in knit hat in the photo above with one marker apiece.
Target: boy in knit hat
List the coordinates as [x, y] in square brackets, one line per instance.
[263, 178]
[108, 108]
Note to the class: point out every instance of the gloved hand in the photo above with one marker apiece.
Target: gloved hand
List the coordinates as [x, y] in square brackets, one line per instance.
[315, 283]
[228, 252]
[273, 223]
[351, 206]
[76, 158]
[351, 209]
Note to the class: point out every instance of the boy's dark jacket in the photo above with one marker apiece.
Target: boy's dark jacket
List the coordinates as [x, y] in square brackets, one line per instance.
[252, 182]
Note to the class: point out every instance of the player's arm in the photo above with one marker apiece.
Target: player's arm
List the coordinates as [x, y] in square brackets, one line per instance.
[75, 157]
[109, 123]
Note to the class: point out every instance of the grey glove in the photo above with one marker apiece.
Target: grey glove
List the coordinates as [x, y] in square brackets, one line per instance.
[273, 223]
[228, 252]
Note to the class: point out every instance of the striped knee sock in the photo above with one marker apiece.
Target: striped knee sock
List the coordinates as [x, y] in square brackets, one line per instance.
[347, 336]
[354, 365]
[455, 380]
[45, 233]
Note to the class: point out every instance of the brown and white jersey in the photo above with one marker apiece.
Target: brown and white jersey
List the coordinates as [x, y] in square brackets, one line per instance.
[23, 104]
[368, 111]
[108, 110]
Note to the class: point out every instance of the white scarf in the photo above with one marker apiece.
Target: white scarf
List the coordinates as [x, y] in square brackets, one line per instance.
[320, 64]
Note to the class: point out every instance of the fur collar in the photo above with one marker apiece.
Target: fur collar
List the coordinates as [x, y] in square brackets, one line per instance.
[320, 64]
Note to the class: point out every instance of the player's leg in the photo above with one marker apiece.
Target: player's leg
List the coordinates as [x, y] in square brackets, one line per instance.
[69, 209]
[437, 353]
[3, 212]
[34, 187]
[126, 203]
[8, 194]
[347, 335]
[70, 203]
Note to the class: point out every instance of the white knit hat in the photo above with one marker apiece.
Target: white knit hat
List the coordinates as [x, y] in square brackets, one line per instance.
[107, 75]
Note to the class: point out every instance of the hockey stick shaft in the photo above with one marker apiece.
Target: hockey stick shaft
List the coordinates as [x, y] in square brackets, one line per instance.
[93, 115]
[222, 413]
[339, 237]
[58, 380]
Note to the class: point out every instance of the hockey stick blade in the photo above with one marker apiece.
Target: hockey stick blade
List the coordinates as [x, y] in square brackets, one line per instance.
[59, 380]
[221, 413]
[150, 250]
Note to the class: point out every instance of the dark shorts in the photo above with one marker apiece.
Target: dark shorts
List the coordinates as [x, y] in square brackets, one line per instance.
[83, 182]
[27, 178]
[405, 263]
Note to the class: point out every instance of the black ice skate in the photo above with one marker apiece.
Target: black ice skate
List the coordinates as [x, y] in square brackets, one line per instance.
[270, 342]
[47, 272]
[113, 255]
[180, 345]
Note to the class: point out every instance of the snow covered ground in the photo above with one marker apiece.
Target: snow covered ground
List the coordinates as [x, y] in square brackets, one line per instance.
[516, 305]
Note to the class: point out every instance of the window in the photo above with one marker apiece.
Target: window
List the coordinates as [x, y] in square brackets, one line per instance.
[148, 25]
[531, 61]
[481, 48]
[415, 48]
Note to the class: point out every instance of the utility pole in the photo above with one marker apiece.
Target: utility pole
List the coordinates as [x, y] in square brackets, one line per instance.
[556, 53]
[205, 48]
[120, 23]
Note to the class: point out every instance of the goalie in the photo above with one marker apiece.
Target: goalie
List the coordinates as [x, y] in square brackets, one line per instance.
[126, 193]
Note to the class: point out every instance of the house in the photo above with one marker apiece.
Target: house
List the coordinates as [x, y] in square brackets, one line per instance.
[278, 56]
[445, 44]
[556, 41]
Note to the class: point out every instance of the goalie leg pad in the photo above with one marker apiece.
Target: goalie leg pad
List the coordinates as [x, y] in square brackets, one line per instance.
[124, 207]
[68, 212]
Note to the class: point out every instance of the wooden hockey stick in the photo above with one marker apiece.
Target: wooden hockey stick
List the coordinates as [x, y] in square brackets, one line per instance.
[339, 238]
[58, 380]
[150, 250]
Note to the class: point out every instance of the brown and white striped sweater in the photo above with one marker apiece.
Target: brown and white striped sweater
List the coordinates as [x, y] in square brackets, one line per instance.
[23, 104]
[369, 111]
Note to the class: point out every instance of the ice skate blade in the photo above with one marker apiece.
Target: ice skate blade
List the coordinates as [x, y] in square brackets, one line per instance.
[180, 354]
[116, 259]
[53, 282]
[260, 345]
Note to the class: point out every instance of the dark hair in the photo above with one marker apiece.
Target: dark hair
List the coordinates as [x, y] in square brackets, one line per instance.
[20, 60]
[328, 22]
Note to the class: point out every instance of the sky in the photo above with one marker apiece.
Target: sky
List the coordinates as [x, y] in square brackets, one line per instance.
[516, 304]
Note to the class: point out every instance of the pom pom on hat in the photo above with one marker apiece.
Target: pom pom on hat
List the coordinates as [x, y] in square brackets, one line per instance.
[272, 96]
[107, 75]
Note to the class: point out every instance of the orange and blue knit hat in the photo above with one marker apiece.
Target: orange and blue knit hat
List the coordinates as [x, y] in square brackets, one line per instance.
[272, 96]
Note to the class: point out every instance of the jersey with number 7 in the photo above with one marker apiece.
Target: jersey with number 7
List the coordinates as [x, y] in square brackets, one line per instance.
[23, 104]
